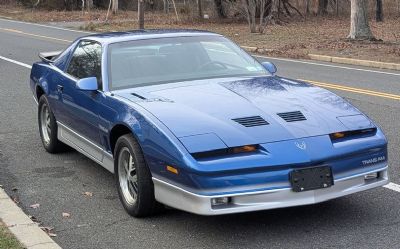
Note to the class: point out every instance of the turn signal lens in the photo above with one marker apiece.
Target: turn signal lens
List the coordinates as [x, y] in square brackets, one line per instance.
[172, 169]
[353, 134]
[337, 135]
[246, 148]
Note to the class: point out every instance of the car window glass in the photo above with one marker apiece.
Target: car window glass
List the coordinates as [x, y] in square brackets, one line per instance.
[220, 52]
[86, 61]
[174, 59]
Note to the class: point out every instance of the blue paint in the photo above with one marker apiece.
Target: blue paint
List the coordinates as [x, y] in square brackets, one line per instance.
[172, 120]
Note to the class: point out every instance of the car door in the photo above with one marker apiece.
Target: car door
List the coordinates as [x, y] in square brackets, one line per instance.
[78, 108]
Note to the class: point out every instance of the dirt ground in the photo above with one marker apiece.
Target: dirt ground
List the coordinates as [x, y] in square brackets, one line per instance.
[295, 39]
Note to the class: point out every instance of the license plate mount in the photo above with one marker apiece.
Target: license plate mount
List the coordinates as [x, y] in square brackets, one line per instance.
[312, 178]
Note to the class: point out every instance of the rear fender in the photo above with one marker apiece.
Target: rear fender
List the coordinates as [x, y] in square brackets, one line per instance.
[38, 78]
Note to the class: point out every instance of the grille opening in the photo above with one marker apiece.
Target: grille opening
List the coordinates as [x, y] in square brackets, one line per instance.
[292, 116]
[346, 135]
[251, 121]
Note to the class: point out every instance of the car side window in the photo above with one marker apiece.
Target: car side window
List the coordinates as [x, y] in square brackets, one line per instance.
[86, 61]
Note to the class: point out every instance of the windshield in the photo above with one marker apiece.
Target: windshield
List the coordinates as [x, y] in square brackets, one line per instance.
[165, 60]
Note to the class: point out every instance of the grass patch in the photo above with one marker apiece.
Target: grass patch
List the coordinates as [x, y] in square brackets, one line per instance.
[7, 240]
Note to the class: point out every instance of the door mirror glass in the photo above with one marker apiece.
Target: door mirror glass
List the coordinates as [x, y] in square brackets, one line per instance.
[87, 84]
[271, 68]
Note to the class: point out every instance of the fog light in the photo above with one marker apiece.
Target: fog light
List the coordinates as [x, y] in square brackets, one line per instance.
[371, 176]
[219, 201]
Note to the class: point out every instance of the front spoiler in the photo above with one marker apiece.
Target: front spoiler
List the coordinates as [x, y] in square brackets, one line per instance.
[182, 199]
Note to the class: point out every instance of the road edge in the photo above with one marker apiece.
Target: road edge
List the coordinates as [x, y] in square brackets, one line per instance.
[356, 62]
[22, 227]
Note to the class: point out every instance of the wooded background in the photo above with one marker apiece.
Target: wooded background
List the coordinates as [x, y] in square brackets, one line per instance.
[213, 8]
[257, 13]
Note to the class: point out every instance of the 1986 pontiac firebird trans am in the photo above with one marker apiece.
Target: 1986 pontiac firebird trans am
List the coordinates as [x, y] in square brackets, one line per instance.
[187, 119]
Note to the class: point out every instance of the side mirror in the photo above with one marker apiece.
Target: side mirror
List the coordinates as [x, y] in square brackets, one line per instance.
[271, 68]
[87, 84]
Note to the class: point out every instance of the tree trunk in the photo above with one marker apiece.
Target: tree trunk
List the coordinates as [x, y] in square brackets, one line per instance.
[200, 8]
[274, 12]
[359, 27]
[249, 7]
[141, 14]
[220, 9]
[166, 6]
[89, 4]
[114, 6]
[322, 7]
[379, 11]
[307, 8]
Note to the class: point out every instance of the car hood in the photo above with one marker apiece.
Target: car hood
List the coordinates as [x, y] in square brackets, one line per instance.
[209, 114]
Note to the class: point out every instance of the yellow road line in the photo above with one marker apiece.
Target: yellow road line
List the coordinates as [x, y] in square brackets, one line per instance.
[35, 35]
[354, 90]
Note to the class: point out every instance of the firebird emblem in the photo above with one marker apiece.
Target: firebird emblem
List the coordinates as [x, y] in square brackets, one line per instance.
[301, 145]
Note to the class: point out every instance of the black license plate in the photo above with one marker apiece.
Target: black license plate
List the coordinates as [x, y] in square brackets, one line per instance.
[311, 178]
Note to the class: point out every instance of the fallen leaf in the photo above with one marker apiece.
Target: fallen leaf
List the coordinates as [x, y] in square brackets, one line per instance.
[47, 229]
[14, 189]
[90, 194]
[36, 205]
[15, 200]
[66, 215]
[33, 218]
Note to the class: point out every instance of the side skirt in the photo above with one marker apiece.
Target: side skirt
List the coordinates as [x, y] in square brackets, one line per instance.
[85, 146]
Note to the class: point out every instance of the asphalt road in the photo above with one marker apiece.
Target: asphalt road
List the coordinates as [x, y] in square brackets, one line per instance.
[30, 175]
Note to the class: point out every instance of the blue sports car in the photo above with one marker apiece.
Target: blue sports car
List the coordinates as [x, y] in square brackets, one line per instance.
[188, 119]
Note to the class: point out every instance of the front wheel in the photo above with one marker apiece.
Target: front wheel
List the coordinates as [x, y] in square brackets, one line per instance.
[48, 127]
[133, 178]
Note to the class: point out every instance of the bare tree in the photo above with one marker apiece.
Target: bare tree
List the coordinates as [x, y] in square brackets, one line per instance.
[200, 8]
[249, 7]
[359, 27]
[273, 16]
[322, 7]
[141, 14]
[219, 7]
[266, 11]
[114, 6]
[307, 7]
[379, 11]
[89, 4]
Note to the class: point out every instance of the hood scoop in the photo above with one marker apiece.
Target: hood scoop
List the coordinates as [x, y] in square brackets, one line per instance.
[251, 121]
[292, 116]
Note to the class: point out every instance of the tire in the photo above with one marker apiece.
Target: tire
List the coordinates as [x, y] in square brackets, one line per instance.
[48, 127]
[133, 178]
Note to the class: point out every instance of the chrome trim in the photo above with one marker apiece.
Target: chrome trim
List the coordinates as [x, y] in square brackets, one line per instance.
[362, 174]
[85, 146]
[182, 199]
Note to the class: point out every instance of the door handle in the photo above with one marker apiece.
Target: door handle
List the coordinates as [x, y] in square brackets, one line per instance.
[60, 88]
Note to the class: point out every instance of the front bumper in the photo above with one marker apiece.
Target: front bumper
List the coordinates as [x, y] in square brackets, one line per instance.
[182, 199]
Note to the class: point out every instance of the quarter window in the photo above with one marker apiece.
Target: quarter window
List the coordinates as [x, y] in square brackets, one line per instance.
[86, 61]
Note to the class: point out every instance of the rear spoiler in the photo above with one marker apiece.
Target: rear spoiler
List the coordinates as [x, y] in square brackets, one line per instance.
[49, 57]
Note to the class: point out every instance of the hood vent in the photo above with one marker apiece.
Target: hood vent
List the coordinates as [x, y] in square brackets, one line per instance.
[251, 121]
[292, 116]
[137, 95]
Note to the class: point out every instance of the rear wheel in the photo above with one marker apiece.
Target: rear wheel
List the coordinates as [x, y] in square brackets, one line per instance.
[133, 178]
[48, 127]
